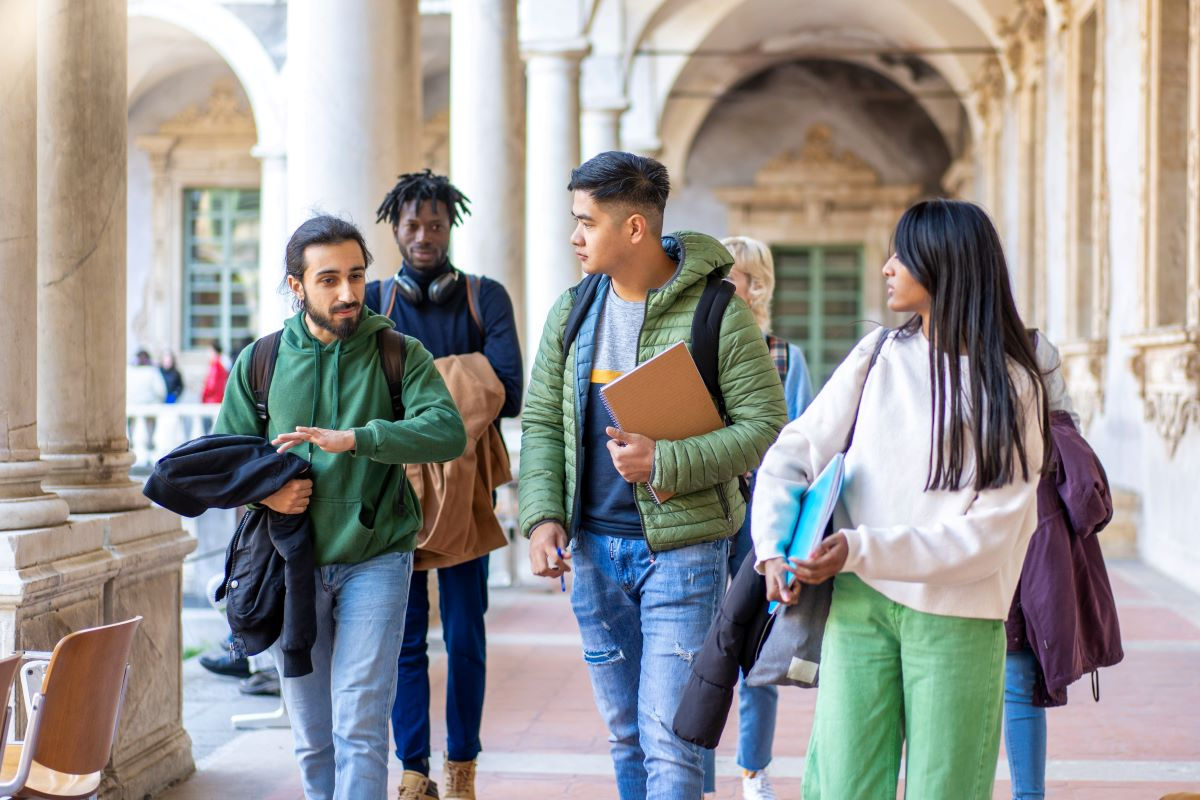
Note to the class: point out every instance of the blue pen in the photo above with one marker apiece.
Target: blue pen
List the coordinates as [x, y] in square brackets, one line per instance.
[562, 579]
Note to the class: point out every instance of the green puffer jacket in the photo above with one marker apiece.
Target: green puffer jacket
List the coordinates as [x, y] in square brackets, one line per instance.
[702, 471]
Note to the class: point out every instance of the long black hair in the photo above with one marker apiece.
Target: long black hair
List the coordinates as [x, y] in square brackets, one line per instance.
[952, 249]
[419, 187]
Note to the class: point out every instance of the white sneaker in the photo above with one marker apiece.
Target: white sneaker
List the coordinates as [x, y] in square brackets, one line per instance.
[757, 786]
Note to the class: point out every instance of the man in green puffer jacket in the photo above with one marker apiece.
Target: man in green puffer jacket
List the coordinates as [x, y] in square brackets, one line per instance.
[648, 577]
[329, 399]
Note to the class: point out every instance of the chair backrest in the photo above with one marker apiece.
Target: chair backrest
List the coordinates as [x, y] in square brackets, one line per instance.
[9, 667]
[82, 697]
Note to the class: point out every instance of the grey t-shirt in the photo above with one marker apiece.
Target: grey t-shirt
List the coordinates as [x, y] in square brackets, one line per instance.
[608, 505]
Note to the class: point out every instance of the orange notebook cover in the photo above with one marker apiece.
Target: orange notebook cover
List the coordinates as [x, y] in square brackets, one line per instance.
[662, 398]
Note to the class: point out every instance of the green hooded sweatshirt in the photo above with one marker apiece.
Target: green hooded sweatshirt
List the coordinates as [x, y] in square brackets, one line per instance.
[362, 505]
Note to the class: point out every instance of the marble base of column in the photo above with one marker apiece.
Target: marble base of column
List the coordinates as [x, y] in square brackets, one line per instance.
[23, 504]
[94, 483]
[96, 570]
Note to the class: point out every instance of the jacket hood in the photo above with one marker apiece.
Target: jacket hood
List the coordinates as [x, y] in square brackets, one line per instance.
[697, 255]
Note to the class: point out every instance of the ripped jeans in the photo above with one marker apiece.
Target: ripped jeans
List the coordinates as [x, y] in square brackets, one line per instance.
[643, 618]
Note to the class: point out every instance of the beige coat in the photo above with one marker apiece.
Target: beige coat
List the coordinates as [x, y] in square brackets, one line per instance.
[456, 497]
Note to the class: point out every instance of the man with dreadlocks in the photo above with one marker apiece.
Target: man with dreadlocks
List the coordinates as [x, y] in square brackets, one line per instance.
[452, 314]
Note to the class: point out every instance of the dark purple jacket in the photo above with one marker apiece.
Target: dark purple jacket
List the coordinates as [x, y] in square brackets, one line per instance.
[1063, 609]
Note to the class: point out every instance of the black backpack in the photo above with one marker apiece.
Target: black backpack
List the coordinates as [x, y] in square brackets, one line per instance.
[393, 350]
[706, 334]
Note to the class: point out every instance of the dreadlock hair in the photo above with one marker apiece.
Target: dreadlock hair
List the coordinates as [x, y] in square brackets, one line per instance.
[418, 187]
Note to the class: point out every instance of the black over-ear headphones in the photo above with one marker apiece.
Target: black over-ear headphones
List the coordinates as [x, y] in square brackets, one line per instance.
[441, 291]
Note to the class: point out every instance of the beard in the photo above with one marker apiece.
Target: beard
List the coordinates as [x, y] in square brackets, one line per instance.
[342, 329]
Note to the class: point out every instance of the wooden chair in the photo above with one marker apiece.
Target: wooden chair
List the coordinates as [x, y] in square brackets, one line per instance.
[8, 676]
[73, 718]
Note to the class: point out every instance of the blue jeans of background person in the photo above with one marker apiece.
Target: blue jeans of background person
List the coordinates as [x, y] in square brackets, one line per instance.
[756, 704]
[339, 710]
[643, 617]
[462, 600]
[1024, 728]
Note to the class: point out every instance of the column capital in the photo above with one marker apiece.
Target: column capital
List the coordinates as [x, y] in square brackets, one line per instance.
[569, 49]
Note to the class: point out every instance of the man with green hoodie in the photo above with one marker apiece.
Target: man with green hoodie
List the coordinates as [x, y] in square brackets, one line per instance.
[648, 577]
[329, 399]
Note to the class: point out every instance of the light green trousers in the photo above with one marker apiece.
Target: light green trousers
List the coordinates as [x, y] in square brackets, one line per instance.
[891, 675]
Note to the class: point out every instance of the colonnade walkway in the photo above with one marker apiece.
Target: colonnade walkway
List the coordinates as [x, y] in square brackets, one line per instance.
[544, 738]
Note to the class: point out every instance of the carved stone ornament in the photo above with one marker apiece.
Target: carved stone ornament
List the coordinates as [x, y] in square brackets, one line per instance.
[222, 115]
[988, 88]
[1024, 37]
[817, 162]
[1083, 365]
[1167, 368]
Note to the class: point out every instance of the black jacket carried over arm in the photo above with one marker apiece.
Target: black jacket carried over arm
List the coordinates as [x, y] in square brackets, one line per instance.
[269, 586]
[730, 649]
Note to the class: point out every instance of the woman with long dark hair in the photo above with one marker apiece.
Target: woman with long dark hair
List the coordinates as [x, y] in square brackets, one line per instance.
[937, 510]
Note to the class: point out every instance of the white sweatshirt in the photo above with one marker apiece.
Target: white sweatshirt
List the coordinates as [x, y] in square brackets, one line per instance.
[954, 553]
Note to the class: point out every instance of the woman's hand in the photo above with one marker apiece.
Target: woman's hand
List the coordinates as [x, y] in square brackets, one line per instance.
[779, 579]
[826, 560]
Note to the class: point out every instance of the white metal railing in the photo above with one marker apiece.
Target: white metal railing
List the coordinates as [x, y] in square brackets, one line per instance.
[154, 429]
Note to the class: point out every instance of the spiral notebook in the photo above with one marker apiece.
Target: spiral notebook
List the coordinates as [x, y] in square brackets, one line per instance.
[814, 510]
[662, 398]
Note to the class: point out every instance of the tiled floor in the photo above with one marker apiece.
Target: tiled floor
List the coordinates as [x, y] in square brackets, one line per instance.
[545, 740]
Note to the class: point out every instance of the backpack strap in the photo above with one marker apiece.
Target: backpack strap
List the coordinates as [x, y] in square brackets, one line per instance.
[584, 293]
[874, 357]
[473, 287]
[262, 369]
[393, 352]
[706, 334]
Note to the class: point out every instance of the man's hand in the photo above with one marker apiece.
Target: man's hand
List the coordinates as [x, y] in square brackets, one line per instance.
[292, 498]
[632, 454]
[327, 440]
[826, 560]
[545, 543]
[779, 580]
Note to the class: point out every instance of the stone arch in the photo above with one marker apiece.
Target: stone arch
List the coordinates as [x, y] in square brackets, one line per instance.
[237, 45]
[656, 123]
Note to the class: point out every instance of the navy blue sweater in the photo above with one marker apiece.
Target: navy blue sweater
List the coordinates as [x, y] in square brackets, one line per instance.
[449, 330]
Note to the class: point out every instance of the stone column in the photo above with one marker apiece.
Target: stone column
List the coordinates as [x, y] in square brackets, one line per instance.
[273, 306]
[81, 124]
[487, 140]
[552, 148]
[354, 110]
[115, 557]
[602, 127]
[23, 504]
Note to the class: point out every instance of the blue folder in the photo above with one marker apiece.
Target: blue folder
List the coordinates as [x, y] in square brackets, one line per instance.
[814, 509]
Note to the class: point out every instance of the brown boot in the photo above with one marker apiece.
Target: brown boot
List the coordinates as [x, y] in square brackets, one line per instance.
[415, 786]
[459, 777]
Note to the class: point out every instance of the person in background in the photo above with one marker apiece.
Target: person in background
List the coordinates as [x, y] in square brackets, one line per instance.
[214, 382]
[753, 274]
[172, 379]
[452, 313]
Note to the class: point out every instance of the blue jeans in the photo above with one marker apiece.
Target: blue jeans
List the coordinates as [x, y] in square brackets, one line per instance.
[339, 710]
[1024, 728]
[463, 600]
[756, 704]
[643, 617]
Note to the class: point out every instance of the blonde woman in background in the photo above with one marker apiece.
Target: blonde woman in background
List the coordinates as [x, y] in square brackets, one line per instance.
[753, 274]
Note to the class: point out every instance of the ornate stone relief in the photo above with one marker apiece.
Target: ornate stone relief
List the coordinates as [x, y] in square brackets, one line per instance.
[989, 87]
[817, 162]
[222, 115]
[1024, 36]
[1167, 368]
[1083, 365]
